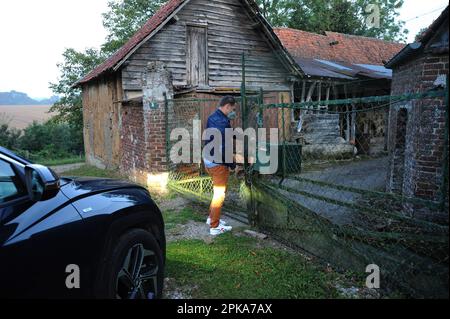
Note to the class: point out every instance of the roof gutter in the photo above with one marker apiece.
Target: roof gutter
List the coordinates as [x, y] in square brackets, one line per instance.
[407, 52]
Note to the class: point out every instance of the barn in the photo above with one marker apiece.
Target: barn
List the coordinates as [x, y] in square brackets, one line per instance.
[188, 49]
[341, 66]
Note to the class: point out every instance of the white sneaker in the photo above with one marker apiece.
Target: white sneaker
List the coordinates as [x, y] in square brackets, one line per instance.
[220, 230]
[221, 223]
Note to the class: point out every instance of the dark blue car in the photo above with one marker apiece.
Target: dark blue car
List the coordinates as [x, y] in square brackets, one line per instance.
[63, 237]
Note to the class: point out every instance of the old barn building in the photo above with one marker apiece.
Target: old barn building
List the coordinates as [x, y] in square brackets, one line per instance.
[189, 48]
[417, 139]
[341, 66]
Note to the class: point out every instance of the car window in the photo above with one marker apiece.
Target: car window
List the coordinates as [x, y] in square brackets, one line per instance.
[11, 186]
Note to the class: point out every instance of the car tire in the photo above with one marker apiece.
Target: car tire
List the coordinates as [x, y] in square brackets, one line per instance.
[134, 268]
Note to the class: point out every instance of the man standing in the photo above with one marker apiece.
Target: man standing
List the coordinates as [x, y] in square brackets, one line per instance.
[219, 170]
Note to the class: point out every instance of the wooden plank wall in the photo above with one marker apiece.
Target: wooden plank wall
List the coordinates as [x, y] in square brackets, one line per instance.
[101, 114]
[230, 33]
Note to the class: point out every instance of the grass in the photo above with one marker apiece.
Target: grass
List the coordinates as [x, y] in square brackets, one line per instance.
[233, 267]
[91, 171]
[173, 218]
[63, 161]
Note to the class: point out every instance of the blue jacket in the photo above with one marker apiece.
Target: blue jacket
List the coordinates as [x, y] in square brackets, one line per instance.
[221, 122]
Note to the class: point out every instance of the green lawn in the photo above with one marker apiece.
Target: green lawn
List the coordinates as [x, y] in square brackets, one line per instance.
[173, 218]
[63, 161]
[91, 171]
[233, 267]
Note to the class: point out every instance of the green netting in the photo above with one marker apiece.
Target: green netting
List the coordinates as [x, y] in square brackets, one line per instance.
[329, 195]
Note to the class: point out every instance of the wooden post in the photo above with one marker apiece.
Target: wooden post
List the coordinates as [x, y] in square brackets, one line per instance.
[303, 91]
[347, 116]
[328, 96]
[353, 127]
[310, 93]
[320, 96]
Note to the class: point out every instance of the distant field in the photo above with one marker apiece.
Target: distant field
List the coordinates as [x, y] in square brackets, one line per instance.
[19, 116]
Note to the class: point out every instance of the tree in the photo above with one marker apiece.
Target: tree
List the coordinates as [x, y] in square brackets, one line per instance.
[277, 12]
[344, 16]
[76, 64]
[324, 15]
[122, 20]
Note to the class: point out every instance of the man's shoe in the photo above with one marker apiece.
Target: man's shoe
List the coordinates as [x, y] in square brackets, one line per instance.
[221, 223]
[220, 230]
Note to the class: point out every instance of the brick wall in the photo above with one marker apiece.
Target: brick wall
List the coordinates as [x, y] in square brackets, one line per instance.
[143, 128]
[416, 145]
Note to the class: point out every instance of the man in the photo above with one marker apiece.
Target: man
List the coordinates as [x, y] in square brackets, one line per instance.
[219, 170]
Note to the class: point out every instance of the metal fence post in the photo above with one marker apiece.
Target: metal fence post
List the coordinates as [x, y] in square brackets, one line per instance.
[166, 120]
[444, 187]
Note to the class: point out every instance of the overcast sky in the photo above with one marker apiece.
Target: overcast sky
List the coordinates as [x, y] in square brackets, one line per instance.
[34, 34]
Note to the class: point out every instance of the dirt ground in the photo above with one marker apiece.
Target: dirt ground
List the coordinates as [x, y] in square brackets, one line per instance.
[18, 116]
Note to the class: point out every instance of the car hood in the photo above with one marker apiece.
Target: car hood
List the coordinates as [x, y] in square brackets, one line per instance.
[78, 186]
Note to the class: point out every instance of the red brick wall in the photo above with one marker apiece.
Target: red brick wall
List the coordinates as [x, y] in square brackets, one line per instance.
[416, 163]
[143, 136]
[143, 132]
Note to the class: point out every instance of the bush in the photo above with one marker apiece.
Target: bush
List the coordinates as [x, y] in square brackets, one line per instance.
[47, 141]
[9, 137]
[51, 140]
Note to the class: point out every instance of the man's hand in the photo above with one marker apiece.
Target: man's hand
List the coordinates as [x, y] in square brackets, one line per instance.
[239, 170]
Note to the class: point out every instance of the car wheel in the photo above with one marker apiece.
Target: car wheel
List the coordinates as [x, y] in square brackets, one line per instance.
[136, 267]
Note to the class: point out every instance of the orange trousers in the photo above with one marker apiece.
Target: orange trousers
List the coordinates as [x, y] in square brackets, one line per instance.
[220, 175]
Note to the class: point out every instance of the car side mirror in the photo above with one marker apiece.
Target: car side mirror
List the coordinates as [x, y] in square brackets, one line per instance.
[42, 182]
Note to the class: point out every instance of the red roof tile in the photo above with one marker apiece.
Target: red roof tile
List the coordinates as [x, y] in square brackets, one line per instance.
[337, 47]
[152, 24]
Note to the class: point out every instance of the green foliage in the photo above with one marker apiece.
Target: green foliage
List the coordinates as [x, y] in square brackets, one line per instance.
[124, 18]
[75, 66]
[277, 12]
[336, 15]
[51, 139]
[48, 141]
[9, 137]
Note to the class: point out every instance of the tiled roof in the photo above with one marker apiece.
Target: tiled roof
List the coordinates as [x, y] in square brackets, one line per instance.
[337, 47]
[151, 25]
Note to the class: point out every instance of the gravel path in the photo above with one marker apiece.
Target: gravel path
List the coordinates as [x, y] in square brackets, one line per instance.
[367, 175]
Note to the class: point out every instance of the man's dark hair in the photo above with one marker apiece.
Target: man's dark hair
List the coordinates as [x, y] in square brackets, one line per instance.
[227, 100]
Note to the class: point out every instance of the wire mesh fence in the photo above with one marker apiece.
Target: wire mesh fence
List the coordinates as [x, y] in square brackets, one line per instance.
[336, 191]
[330, 197]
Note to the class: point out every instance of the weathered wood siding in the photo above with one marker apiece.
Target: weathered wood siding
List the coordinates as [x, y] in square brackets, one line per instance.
[229, 33]
[101, 115]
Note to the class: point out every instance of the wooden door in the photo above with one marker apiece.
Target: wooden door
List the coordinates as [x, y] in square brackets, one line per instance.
[197, 56]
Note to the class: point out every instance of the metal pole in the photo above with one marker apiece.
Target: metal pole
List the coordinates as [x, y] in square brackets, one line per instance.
[444, 187]
[166, 119]
[244, 109]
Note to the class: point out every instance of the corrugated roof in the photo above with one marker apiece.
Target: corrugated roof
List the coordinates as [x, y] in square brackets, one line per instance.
[341, 70]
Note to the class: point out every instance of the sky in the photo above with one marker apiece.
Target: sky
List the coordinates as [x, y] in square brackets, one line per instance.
[34, 34]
